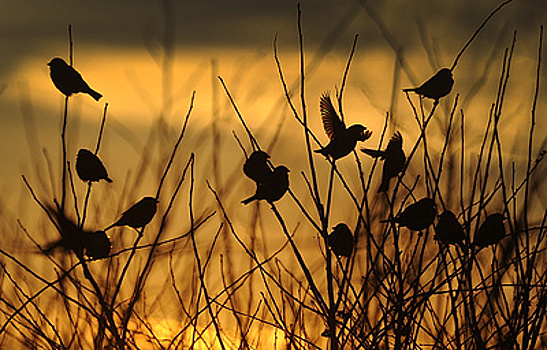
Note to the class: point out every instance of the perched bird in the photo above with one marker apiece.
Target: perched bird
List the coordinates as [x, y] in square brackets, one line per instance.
[89, 167]
[341, 240]
[94, 244]
[274, 188]
[491, 231]
[437, 86]
[394, 159]
[139, 215]
[448, 230]
[256, 167]
[342, 139]
[417, 216]
[98, 245]
[68, 80]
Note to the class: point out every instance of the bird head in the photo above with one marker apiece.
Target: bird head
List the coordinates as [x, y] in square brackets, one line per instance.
[84, 152]
[259, 155]
[360, 132]
[282, 169]
[57, 62]
[445, 72]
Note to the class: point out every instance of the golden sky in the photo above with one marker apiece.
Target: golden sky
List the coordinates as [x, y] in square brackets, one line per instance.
[119, 49]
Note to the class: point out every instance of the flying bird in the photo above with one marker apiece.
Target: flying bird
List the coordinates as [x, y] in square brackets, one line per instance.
[89, 167]
[94, 244]
[491, 231]
[341, 240]
[256, 167]
[342, 139]
[437, 86]
[68, 80]
[274, 188]
[394, 159]
[417, 216]
[138, 215]
[448, 230]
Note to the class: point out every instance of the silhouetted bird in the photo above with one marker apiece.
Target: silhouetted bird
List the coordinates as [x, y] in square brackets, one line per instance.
[448, 230]
[417, 216]
[342, 139]
[437, 86]
[89, 167]
[393, 157]
[256, 167]
[98, 245]
[95, 244]
[68, 80]
[274, 188]
[341, 240]
[491, 231]
[139, 215]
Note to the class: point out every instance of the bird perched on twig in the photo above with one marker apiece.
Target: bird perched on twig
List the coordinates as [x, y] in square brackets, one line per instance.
[98, 245]
[448, 230]
[256, 167]
[394, 159]
[417, 216]
[491, 231]
[437, 86]
[341, 241]
[89, 167]
[138, 215]
[342, 139]
[68, 80]
[95, 245]
[274, 188]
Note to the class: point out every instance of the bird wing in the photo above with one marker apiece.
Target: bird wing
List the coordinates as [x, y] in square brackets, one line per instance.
[395, 143]
[331, 121]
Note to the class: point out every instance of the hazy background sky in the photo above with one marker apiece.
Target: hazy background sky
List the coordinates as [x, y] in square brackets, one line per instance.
[118, 49]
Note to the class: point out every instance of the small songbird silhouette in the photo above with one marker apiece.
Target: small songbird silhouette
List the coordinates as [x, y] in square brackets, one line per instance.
[256, 167]
[138, 215]
[274, 188]
[491, 231]
[437, 86]
[68, 80]
[417, 216]
[448, 230]
[98, 245]
[89, 167]
[95, 245]
[393, 157]
[341, 240]
[342, 139]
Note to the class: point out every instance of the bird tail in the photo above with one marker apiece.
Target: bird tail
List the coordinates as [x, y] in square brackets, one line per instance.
[248, 200]
[97, 96]
[374, 153]
[409, 89]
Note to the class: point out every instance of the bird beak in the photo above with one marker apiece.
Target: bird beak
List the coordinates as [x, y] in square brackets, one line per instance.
[367, 134]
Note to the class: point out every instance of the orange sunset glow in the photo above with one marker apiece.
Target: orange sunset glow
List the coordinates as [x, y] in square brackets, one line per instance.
[273, 175]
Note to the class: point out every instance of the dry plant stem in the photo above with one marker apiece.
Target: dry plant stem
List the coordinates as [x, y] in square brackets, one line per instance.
[38, 310]
[252, 255]
[143, 275]
[88, 191]
[530, 261]
[177, 144]
[198, 261]
[477, 33]
[64, 155]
